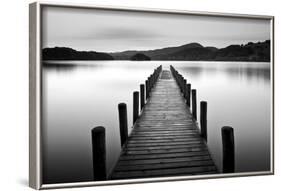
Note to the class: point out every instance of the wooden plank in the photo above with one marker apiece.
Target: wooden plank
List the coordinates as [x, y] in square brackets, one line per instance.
[163, 141]
[164, 165]
[168, 130]
[160, 133]
[165, 138]
[150, 148]
[162, 172]
[192, 149]
[163, 132]
[164, 135]
[164, 160]
[127, 156]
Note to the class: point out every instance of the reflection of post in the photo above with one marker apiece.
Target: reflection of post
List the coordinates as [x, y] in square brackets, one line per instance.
[228, 149]
[203, 119]
[99, 153]
[194, 104]
[135, 106]
[123, 122]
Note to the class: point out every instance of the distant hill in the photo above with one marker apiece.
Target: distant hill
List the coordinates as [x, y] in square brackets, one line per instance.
[157, 54]
[259, 51]
[140, 57]
[63, 53]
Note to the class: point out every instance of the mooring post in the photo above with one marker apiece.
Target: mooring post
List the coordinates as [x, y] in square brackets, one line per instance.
[181, 83]
[188, 91]
[135, 106]
[151, 81]
[184, 88]
[194, 104]
[154, 76]
[123, 122]
[146, 89]
[142, 95]
[203, 119]
[99, 153]
[149, 86]
[228, 149]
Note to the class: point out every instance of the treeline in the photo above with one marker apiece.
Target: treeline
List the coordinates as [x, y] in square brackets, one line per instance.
[64, 53]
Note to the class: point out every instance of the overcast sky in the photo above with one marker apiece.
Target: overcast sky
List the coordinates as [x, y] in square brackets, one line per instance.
[111, 31]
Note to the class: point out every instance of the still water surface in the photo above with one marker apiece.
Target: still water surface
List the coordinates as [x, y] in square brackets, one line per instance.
[80, 95]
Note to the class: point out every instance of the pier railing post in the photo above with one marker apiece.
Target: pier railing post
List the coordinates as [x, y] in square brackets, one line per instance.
[149, 86]
[228, 149]
[135, 106]
[188, 92]
[142, 95]
[184, 88]
[123, 122]
[181, 83]
[203, 119]
[194, 104]
[146, 89]
[99, 153]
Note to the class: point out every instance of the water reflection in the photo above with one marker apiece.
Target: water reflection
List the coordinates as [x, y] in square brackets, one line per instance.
[259, 71]
[79, 95]
[238, 95]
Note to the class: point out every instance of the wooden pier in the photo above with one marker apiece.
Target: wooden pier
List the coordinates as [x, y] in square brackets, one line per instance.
[165, 140]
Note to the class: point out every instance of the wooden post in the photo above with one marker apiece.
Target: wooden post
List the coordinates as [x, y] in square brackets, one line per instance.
[188, 91]
[123, 122]
[203, 119]
[149, 86]
[152, 81]
[154, 76]
[184, 88]
[142, 95]
[181, 83]
[194, 104]
[228, 149]
[146, 89]
[135, 106]
[99, 153]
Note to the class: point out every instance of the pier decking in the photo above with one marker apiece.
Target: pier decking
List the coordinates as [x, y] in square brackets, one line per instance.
[165, 140]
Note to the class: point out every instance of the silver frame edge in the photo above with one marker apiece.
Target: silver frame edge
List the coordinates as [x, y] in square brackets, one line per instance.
[34, 97]
[35, 159]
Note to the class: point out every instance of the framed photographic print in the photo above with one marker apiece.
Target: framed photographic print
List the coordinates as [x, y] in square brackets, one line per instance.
[127, 95]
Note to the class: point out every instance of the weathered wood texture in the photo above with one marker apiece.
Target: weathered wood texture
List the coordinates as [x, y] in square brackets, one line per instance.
[165, 140]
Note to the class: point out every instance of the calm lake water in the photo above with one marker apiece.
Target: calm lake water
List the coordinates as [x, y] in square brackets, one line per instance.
[80, 95]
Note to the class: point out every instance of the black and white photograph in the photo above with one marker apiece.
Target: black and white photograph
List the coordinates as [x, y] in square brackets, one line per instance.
[140, 95]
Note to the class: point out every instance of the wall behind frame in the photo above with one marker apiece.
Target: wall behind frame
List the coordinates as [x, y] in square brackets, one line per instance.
[14, 94]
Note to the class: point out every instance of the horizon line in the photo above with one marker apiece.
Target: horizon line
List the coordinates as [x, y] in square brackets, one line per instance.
[110, 52]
